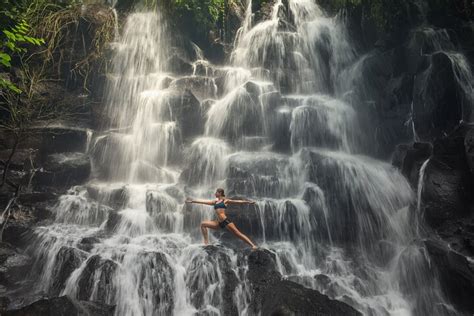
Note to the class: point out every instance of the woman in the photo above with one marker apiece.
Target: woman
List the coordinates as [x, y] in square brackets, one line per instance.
[220, 204]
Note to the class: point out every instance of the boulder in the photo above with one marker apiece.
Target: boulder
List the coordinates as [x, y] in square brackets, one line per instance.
[276, 296]
[96, 280]
[67, 260]
[456, 275]
[61, 171]
[62, 306]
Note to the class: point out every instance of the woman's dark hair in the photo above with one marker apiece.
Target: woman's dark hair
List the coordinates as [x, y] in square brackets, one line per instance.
[220, 191]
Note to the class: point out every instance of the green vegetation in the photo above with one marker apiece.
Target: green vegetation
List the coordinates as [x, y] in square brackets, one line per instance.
[45, 44]
[198, 17]
[14, 41]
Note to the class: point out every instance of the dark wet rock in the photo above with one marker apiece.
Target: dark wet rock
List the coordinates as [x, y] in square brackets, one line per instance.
[275, 296]
[67, 260]
[63, 170]
[18, 231]
[178, 65]
[322, 279]
[447, 184]
[176, 193]
[13, 265]
[456, 275]
[447, 203]
[20, 158]
[438, 101]
[104, 153]
[4, 301]
[374, 81]
[113, 220]
[469, 148]
[409, 158]
[62, 306]
[161, 208]
[34, 198]
[201, 87]
[96, 280]
[115, 197]
[86, 244]
[256, 175]
[156, 271]
[186, 110]
[206, 106]
[49, 140]
[204, 68]
[213, 259]
[442, 194]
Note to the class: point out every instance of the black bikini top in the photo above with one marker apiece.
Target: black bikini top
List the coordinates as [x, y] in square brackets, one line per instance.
[221, 204]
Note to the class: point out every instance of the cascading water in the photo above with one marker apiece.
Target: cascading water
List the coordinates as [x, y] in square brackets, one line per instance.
[278, 131]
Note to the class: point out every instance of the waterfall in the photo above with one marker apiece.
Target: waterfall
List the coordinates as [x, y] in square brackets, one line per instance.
[274, 125]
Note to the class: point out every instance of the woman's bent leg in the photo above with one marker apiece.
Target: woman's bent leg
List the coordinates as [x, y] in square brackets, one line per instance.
[204, 226]
[238, 234]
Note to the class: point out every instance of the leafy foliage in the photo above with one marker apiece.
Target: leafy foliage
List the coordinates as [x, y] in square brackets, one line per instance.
[14, 42]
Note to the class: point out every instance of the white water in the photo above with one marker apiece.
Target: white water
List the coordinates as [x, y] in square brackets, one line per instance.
[327, 213]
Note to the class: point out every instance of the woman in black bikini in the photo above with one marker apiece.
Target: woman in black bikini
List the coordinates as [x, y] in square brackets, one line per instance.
[220, 204]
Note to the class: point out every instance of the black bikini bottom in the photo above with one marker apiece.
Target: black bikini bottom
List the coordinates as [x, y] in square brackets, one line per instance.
[224, 223]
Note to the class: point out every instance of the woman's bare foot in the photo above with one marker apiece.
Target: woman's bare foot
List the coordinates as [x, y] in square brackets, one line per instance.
[254, 247]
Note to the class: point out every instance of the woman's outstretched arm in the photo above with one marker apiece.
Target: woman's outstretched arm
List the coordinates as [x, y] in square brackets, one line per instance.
[206, 202]
[228, 201]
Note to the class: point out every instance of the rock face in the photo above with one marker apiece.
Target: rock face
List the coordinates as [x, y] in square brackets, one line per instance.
[63, 170]
[437, 103]
[50, 140]
[448, 183]
[447, 207]
[456, 274]
[275, 296]
[62, 306]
